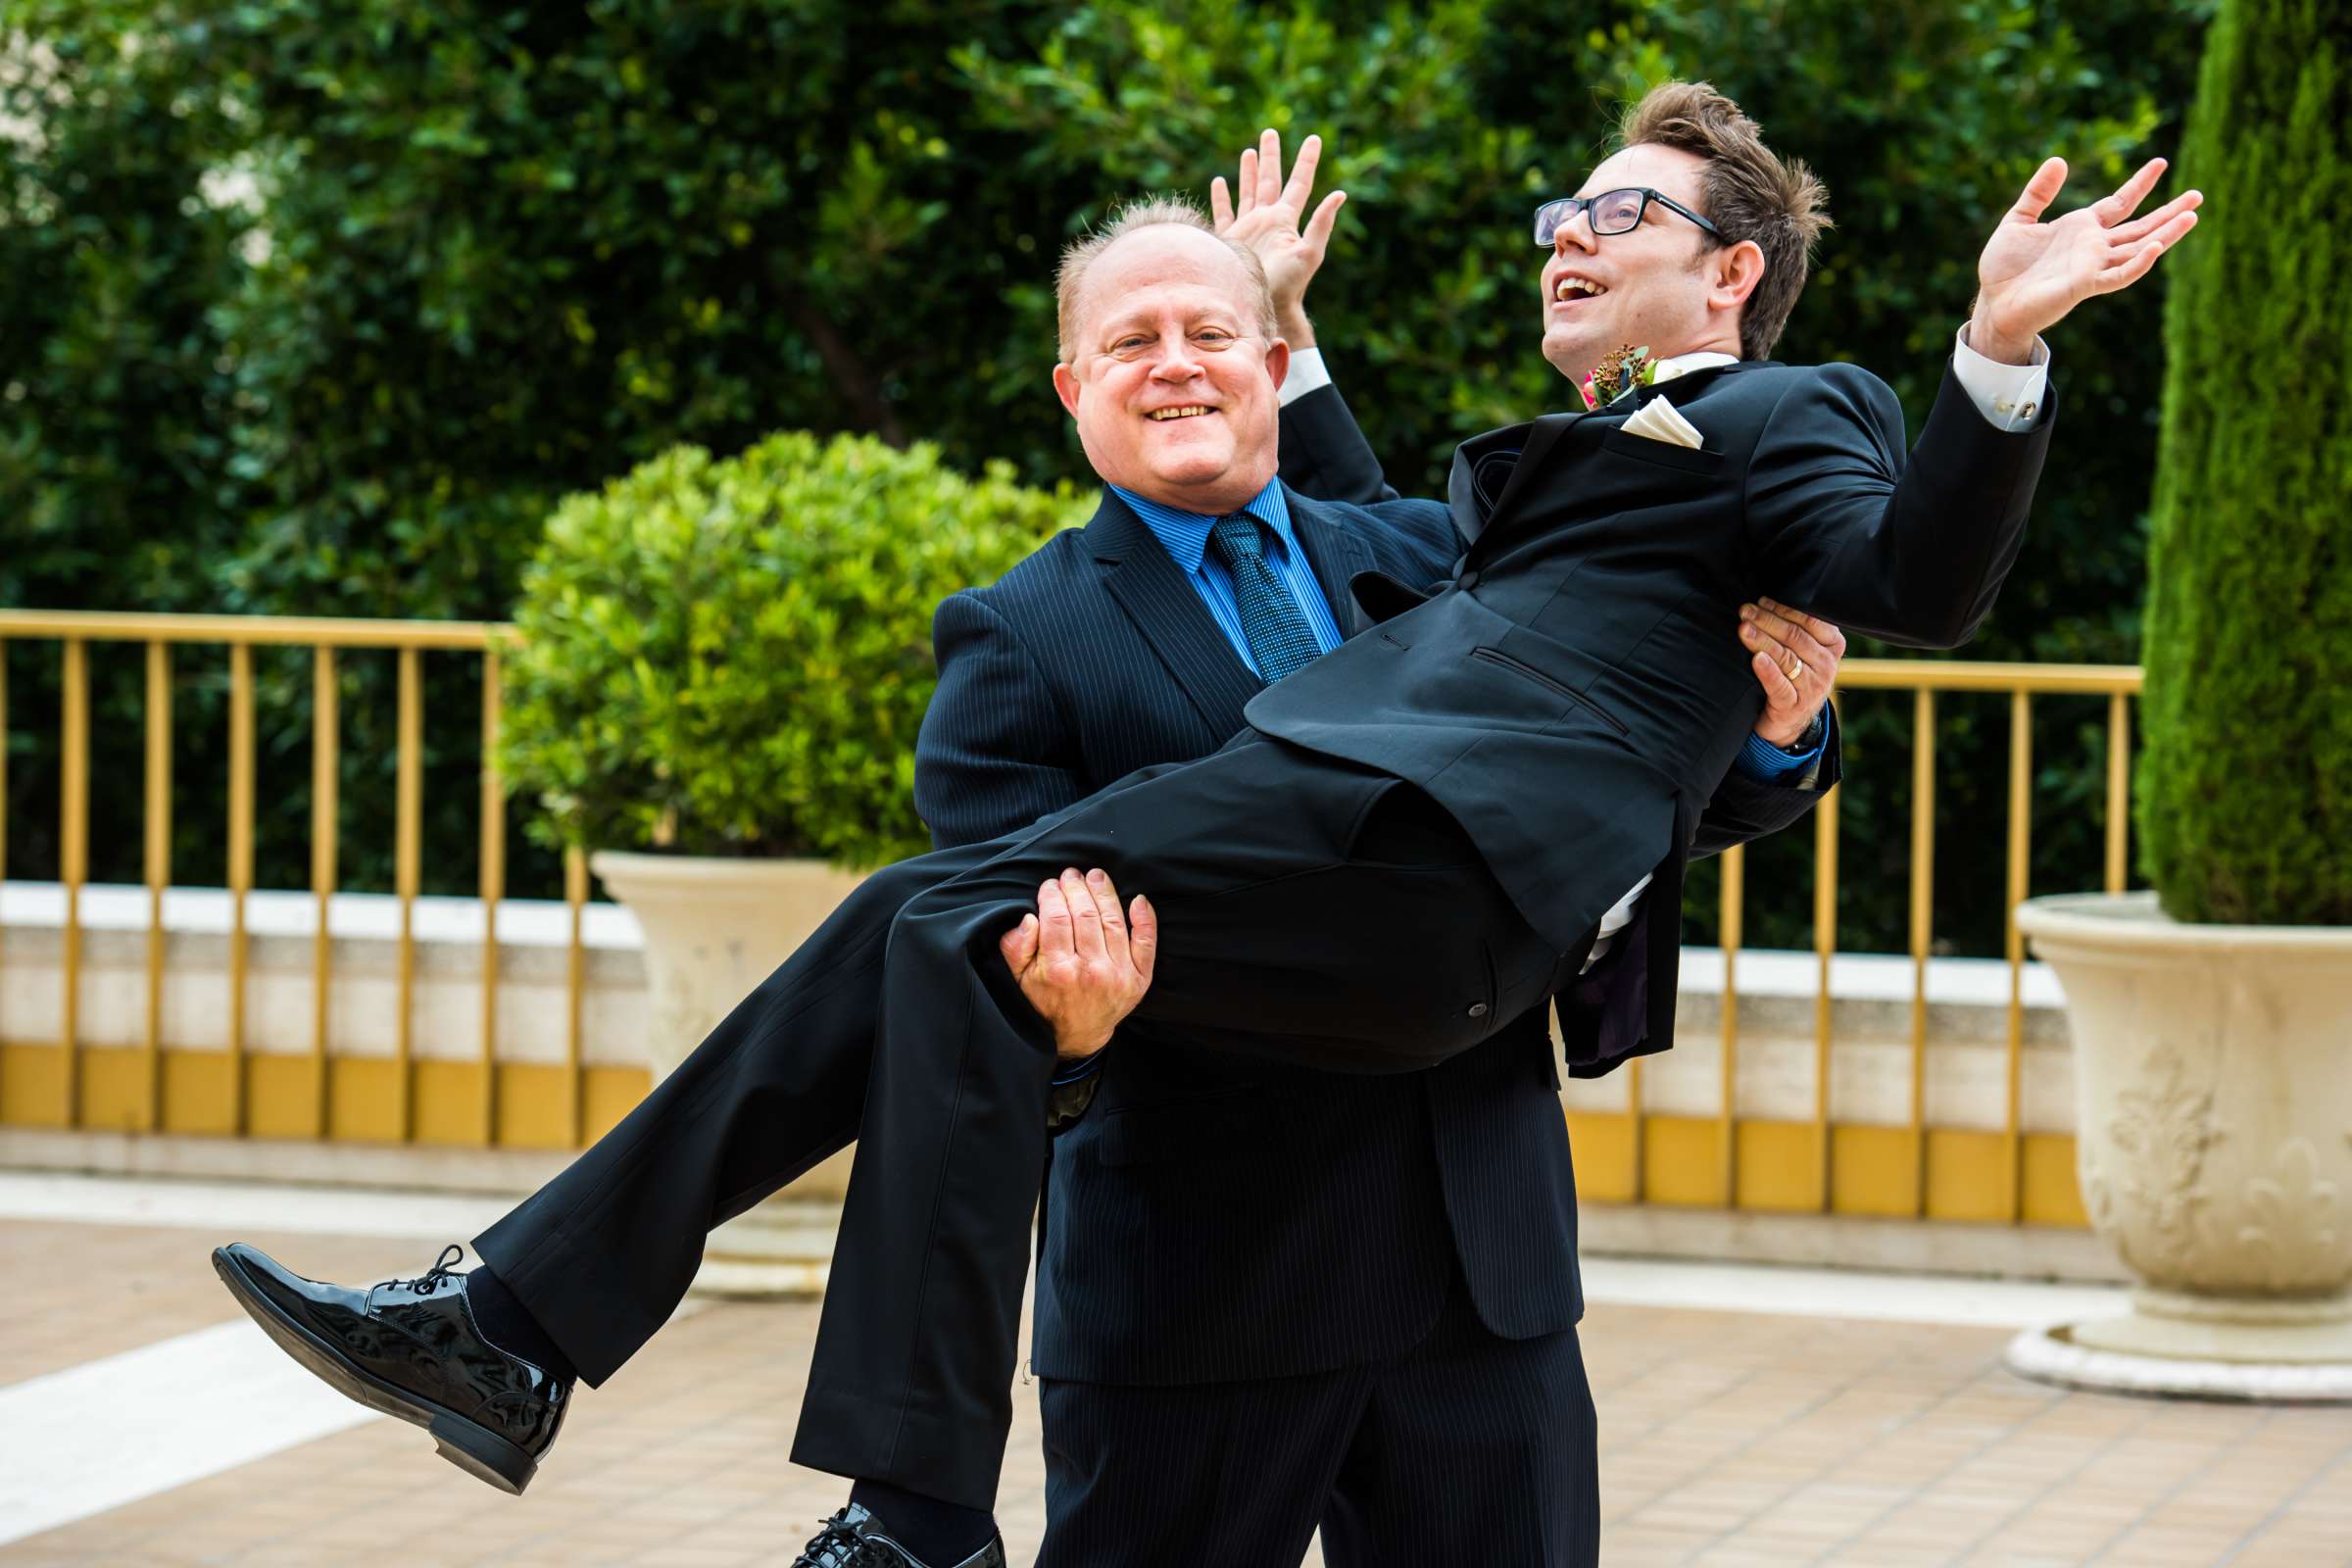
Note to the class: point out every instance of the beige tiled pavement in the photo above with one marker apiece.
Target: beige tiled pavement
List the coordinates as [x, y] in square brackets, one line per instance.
[1727, 1440]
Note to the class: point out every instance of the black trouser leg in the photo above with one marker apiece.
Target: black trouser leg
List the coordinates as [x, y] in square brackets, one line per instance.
[1466, 1447]
[1295, 922]
[602, 1255]
[1472, 1438]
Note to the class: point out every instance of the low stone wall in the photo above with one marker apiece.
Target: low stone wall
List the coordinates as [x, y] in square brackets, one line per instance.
[1870, 1061]
[364, 974]
[1966, 1082]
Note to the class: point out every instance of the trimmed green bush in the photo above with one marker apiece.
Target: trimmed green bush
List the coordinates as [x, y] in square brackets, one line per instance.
[731, 657]
[2245, 784]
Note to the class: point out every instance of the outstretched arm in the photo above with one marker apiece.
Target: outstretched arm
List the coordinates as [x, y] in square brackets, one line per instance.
[2032, 273]
[1916, 551]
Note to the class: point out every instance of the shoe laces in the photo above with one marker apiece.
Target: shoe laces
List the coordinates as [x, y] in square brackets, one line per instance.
[428, 1283]
[840, 1544]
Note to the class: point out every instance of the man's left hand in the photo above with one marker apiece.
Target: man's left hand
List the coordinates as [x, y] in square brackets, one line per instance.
[1082, 964]
[1794, 656]
[2031, 272]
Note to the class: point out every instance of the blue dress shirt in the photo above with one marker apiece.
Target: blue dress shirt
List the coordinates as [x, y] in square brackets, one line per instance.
[1185, 536]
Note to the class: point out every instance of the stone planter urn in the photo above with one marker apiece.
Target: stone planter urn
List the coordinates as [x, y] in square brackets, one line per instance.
[714, 929]
[2212, 1095]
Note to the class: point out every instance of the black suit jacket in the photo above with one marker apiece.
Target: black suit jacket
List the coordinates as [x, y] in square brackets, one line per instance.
[1213, 1217]
[1570, 697]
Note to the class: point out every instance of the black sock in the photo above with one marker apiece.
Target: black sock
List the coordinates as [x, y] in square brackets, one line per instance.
[507, 1324]
[941, 1533]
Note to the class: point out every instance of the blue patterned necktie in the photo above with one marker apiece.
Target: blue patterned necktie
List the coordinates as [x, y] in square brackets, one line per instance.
[1272, 622]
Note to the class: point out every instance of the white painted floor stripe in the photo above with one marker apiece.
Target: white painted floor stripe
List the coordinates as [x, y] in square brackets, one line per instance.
[230, 1208]
[108, 1433]
[1845, 1292]
[227, 1210]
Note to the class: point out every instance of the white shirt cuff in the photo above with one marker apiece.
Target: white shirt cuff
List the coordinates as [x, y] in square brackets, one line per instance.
[2009, 396]
[1307, 375]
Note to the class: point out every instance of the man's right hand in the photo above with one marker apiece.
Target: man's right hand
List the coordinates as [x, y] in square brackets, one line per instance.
[1264, 212]
[1082, 965]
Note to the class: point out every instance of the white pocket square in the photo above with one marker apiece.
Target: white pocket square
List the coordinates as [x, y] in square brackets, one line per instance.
[1661, 420]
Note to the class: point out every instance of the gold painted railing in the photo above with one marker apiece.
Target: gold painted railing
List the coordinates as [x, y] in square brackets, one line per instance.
[1915, 1170]
[1725, 1160]
[394, 1113]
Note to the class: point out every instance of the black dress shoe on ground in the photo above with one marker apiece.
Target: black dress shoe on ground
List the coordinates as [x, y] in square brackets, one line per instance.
[854, 1538]
[410, 1348]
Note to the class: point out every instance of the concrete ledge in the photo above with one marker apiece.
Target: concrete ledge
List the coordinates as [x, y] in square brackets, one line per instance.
[419, 1168]
[1846, 1240]
[413, 1167]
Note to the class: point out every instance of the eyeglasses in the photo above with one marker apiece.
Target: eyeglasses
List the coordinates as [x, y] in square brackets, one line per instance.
[1613, 212]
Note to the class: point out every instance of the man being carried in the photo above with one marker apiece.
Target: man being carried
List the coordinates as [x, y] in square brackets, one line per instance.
[1414, 845]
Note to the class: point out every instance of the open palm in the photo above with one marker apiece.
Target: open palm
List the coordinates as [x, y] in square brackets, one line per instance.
[1268, 213]
[2033, 272]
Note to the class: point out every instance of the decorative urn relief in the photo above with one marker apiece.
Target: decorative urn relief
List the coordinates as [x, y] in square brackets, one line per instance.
[714, 929]
[2213, 1072]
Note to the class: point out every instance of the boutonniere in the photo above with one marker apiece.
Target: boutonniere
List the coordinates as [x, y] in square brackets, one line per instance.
[1619, 372]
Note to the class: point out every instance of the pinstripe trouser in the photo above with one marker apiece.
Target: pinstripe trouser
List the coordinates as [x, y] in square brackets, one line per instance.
[1467, 1448]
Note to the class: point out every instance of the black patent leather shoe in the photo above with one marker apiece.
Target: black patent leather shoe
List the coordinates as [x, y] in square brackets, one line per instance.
[410, 1348]
[854, 1538]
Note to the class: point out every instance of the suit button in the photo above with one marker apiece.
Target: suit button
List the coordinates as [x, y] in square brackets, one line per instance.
[1478, 1010]
[1467, 580]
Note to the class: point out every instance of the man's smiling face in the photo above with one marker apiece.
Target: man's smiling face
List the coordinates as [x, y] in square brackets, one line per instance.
[1171, 378]
[1661, 285]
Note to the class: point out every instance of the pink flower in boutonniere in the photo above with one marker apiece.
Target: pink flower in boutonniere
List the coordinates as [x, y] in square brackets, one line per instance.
[1619, 372]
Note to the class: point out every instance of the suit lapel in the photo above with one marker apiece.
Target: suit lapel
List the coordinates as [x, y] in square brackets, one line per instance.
[1541, 436]
[1535, 442]
[1169, 613]
[1470, 509]
[1336, 555]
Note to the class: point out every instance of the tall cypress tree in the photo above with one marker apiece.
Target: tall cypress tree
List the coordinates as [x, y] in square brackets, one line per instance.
[2246, 785]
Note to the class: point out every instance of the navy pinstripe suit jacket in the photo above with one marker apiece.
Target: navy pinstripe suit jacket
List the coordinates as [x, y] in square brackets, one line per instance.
[1211, 1217]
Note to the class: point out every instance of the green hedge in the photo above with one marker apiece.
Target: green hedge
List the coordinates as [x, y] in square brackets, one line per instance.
[500, 254]
[732, 657]
[2245, 784]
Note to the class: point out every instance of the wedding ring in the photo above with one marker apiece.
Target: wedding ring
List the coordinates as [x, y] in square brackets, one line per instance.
[1797, 667]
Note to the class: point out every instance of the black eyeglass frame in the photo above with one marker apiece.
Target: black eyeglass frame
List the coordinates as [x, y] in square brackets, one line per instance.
[1569, 206]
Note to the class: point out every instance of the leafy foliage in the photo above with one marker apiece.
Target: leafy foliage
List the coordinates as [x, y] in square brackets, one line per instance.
[488, 256]
[731, 657]
[2246, 785]
[326, 303]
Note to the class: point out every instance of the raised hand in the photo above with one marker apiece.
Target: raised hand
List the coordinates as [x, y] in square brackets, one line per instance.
[2033, 272]
[1269, 214]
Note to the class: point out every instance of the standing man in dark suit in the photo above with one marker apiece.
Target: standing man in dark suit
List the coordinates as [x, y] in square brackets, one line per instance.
[1225, 1361]
[1423, 834]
